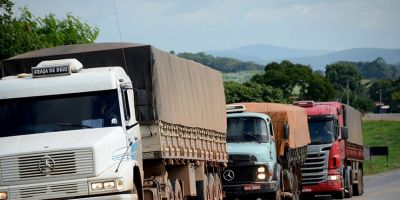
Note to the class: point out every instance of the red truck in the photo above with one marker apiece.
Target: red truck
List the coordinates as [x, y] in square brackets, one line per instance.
[334, 163]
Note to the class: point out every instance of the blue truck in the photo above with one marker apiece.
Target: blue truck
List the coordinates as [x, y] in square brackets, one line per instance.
[267, 143]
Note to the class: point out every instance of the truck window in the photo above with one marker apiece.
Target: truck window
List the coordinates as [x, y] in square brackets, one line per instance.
[321, 131]
[246, 129]
[59, 113]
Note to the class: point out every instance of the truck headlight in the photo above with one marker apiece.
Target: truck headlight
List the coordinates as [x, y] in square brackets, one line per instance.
[113, 184]
[3, 195]
[261, 176]
[333, 177]
[109, 185]
[97, 186]
[261, 169]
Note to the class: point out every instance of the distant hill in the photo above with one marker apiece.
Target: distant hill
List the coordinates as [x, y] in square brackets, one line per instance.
[317, 59]
[261, 53]
[223, 64]
[377, 69]
[391, 56]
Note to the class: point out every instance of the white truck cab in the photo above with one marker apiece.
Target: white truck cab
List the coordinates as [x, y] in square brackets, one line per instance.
[68, 132]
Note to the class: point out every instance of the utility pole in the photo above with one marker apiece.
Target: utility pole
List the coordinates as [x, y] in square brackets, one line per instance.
[347, 90]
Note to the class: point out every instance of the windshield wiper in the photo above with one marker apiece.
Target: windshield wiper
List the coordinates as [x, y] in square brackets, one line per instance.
[73, 125]
[249, 134]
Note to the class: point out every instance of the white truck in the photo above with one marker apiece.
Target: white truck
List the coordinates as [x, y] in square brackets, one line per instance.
[110, 121]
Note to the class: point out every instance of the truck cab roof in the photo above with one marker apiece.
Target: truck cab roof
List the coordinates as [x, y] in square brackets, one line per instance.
[86, 80]
[249, 114]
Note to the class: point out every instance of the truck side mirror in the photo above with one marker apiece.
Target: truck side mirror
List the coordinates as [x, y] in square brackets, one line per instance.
[286, 131]
[345, 133]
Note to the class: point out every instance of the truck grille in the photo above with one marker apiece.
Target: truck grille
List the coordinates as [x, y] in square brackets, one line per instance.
[50, 191]
[314, 170]
[58, 164]
[242, 174]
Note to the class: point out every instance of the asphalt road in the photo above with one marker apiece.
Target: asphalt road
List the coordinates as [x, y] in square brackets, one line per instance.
[384, 186]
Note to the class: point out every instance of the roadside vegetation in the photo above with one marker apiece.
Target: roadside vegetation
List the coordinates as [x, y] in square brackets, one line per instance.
[382, 133]
[341, 81]
[26, 32]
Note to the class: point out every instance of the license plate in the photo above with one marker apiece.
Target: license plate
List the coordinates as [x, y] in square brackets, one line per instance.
[306, 190]
[252, 187]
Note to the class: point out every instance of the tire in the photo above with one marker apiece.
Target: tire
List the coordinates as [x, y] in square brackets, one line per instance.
[217, 187]
[178, 190]
[359, 187]
[206, 192]
[211, 186]
[349, 183]
[169, 191]
[296, 193]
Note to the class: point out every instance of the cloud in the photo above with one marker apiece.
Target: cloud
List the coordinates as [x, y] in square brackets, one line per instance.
[220, 24]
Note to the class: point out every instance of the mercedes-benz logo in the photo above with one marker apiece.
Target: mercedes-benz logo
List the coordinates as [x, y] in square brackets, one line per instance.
[46, 164]
[228, 175]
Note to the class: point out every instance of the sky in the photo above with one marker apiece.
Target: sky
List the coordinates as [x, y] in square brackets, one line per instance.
[201, 25]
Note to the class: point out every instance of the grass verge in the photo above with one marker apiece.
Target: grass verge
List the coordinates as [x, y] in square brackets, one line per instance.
[382, 133]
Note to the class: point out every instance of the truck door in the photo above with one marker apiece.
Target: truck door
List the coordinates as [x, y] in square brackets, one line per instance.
[131, 125]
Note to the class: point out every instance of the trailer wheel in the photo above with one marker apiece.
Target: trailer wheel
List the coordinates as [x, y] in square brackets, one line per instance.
[178, 190]
[169, 191]
[217, 187]
[210, 187]
[362, 181]
[296, 192]
[359, 187]
[349, 183]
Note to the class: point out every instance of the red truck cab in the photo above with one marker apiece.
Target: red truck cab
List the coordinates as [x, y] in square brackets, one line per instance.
[334, 157]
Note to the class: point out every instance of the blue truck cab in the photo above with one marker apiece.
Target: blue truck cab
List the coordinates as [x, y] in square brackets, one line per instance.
[252, 167]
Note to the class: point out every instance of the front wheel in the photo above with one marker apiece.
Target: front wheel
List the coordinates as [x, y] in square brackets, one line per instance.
[349, 183]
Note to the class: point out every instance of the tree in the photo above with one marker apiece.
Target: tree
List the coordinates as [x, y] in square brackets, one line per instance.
[362, 103]
[295, 80]
[250, 92]
[319, 89]
[341, 73]
[27, 32]
[221, 63]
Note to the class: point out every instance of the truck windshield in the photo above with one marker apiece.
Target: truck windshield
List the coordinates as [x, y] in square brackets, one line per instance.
[246, 129]
[59, 113]
[321, 131]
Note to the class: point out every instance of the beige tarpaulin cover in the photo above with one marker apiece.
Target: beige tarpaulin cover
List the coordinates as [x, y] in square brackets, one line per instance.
[281, 114]
[353, 123]
[188, 93]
